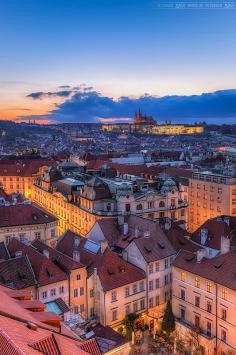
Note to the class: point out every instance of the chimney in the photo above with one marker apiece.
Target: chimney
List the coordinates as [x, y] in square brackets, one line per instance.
[226, 220]
[46, 253]
[167, 224]
[125, 255]
[146, 234]
[18, 253]
[121, 220]
[224, 244]
[125, 228]
[200, 255]
[203, 235]
[76, 255]
[104, 245]
[137, 232]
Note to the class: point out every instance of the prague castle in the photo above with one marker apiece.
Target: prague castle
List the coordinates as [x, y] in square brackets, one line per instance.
[147, 124]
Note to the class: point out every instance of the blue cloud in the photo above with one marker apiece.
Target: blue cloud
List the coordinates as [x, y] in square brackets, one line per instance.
[84, 104]
[40, 94]
[90, 106]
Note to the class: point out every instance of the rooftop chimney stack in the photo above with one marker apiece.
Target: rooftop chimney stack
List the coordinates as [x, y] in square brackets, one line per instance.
[200, 255]
[76, 255]
[224, 244]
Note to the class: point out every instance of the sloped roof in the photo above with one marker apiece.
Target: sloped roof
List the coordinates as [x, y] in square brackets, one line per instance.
[46, 272]
[19, 215]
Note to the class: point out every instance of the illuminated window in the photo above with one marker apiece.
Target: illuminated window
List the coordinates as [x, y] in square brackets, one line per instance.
[197, 282]
[182, 276]
[209, 287]
[224, 293]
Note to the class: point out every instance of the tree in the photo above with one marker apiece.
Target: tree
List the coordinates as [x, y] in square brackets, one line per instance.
[168, 322]
[129, 323]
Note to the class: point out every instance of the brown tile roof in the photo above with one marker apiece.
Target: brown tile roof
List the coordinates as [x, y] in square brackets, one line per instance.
[221, 269]
[19, 215]
[65, 262]
[177, 237]
[17, 273]
[113, 271]
[46, 272]
[23, 167]
[156, 246]
[110, 229]
[216, 228]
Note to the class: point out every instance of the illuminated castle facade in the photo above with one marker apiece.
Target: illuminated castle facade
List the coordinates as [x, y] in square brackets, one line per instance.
[148, 125]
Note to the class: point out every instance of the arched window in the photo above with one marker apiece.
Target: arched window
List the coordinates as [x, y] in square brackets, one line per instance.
[139, 207]
[162, 204]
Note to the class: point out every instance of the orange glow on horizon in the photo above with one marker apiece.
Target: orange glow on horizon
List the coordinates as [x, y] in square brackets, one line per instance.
[112, 120]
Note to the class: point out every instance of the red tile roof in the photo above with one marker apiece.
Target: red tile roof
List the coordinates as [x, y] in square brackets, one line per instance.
[19, 215]
[113, 271]
[46, 272]
[216, 228]
[23, 167]
[65, 262]
[221, 269]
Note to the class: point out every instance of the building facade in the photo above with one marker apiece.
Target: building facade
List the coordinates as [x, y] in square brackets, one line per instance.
[210, 195]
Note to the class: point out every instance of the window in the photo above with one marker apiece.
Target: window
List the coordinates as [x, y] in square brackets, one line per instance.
[139, 207]
[37, 235]
[81, 291]
[197, 301]
[151, 285]
[182, 294]
[113, 296]
[92, 312]
[197, 321]
[166, 263]
[157, 283]
[150, 302]
[78, 277]
[182, 313]
[157, 267]
[135, 288]
[224, 293]
[209, 287]
[53, 233]
[142, 304]
[44, 294]
[223, 335]
[197, 282]
[53, 292]
[166, 279]
[22, 236]
[162, 204]
[150, 268]
[76, 292]
[141, 286]
[76, 309]
[127, 309]
[157, 300]
[150, 204]
[61, 289]
[209, 328]
[209, 307]
[81, 308]
[91, 293]
[114, 315]
[126, 291]
[135, 306]
[223, 313]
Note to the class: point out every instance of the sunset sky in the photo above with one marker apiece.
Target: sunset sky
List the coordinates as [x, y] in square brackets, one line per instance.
[77, 55]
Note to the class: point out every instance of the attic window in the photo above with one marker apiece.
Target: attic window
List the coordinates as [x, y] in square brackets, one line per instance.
[34, 217]
[147, 248]
[21, 276]
[49, 273]
[181, 242]
[161, 246]
[190, 258]
[110, 272]
[218, 266]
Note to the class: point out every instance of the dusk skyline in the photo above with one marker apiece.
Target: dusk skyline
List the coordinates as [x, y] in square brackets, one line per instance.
[118, 49]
